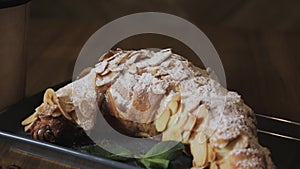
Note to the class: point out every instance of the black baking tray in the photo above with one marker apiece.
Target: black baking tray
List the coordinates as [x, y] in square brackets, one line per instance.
[280, 136]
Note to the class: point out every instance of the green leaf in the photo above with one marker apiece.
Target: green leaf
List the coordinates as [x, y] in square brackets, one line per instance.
[122, 154]
[155, 163]
[167, 150]
[158, 157]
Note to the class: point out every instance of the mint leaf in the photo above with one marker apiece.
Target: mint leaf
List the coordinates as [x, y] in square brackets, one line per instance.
[122, 155]
[167, 150]
[151, 163]
[159, 155]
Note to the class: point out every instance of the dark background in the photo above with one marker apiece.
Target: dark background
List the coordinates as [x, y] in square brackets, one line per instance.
[257, 40]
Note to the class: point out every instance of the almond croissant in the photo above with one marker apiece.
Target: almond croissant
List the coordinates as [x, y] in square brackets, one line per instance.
[150, 93]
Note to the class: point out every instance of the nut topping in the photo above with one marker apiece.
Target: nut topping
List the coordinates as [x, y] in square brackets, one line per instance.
[162, 121]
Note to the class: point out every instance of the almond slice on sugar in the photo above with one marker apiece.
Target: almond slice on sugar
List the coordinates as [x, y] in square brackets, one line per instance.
[51, 99]
[107, 56]
[179, 125]
[188, 127]
[190, 122]
[201, 111]
[66, 103]
[174, 103]
[30, 119]
[26, 128]
[199, 150]
[100, 67]
[249, 158]
[162, 121]
[211, 153]
[173, 131]
[105, 72]
[115, 65]
[159, 87]
[221, 153]
[185, 136]
[67, 106]
[171, 134]
[213, 165]
[103, 80]
[242, 141]
[132, 68]
[65, 114]
[123, 57]
[202, 122]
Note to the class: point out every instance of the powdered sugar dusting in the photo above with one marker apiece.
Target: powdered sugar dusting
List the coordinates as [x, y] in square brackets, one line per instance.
[82, 93]
[141, 83]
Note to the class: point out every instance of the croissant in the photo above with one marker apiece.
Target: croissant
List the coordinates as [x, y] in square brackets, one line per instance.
[149, 93]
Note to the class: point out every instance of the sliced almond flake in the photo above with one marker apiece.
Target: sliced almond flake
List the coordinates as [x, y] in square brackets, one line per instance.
[211, 153]
[30, 119]
[221, 153]
[132, 69]
[50, 97]
[241, 142]
[26, 128]
[117, 58]
[66, 115]
[56, 102]
[200, 80]
[172, 134]
[46, 108]
[199, 150]
[107, 55]
[104, 73]
[100, 67]
[159, 87]
[156, 59]
[132, 58]
[153, 71]
[162, 121]
[176, 126]
[213, 165]
[123, 58]
[174, 120]
[160, 57]
[111, 58]
[66, 106]
[173, 106]
[116, 68]
[191, 121]
[186, 136]
[201, 111]
[100, 81]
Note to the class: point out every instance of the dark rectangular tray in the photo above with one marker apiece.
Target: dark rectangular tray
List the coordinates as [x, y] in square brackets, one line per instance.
[280, 136]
